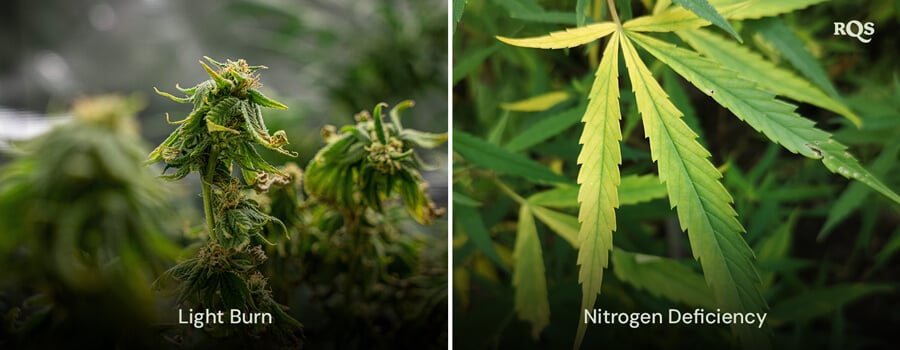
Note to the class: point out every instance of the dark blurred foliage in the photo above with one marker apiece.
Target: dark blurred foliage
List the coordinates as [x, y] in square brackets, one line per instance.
[83, 233]
[361, 272]
[328, 59]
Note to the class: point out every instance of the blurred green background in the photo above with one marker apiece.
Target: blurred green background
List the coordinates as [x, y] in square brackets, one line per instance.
[328, 59]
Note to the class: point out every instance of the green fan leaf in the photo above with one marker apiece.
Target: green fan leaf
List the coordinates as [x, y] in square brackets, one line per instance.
[792, 48]
[703, 205]
[544, 129]
[775, 247]
[662, 277]
[855, 194]
[565, 39]
[531, 301]
[838, 160]
[767, 75]
[470, 221]
[599, 178]
[759, 108]
[709, 13]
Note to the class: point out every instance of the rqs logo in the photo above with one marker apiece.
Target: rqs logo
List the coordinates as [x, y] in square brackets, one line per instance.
[855, 29]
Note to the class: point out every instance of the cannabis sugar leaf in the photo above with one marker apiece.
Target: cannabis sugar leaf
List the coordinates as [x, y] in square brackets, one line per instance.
[225, 122]
[735, 77]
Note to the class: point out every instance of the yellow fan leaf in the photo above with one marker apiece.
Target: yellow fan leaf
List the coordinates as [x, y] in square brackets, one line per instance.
[565, 225]
[529, 281]
[537, 103]
[570, 37]
[599, 178]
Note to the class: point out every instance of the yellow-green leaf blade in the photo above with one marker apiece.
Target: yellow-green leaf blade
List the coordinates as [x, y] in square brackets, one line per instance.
[564, 39]
[566, 226]
[765, 8]
[675, 18]
[759, 108]
[599, 178]
[538, 103]
[636, 189]
[755, 68]
[703, 9]
[633, 189]
[703, 205]
[531, 301]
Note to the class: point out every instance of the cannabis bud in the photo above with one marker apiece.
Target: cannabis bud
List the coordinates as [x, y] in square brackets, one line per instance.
[226, 121]
[366, 163]
[220, 131]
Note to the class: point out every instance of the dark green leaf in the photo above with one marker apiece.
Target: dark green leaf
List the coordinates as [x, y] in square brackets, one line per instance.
[662, 277]
[581, 11]
[856, 193]
[793, 49]
[459, 198]
[458, 7]
[624, 7]
[489, 156]
[234, 292]
[545, 129]
[470, 221]
[471, 60]
[821, 301]
[703, 9]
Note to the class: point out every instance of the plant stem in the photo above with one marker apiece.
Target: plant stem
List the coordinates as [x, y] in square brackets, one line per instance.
[206, 182]
[510, 192]
[615, 15]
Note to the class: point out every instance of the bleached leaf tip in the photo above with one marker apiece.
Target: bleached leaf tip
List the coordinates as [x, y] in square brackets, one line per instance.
[511, 41]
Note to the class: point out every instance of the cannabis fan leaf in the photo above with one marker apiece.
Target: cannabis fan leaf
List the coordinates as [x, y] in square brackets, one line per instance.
[599, 196]
[704, 206]
[735, 77]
